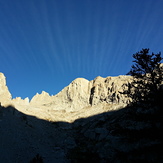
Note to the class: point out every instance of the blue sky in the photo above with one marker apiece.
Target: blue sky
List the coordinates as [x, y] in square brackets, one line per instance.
[45, 44]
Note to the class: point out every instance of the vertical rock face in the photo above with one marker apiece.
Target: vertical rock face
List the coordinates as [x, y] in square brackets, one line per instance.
[73, 97]
[107, 90]
[77, 90]
[5, 96]
[81, 92]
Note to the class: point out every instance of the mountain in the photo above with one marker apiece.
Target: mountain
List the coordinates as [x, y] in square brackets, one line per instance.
[80, 98]
[86, 121]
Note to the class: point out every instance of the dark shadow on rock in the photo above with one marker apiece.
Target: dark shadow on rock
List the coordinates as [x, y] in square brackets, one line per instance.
[127, 135]
[23, 137]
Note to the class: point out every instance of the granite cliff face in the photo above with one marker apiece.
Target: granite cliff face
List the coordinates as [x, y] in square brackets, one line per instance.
[81, 98]
[82, 93]
[107, 90]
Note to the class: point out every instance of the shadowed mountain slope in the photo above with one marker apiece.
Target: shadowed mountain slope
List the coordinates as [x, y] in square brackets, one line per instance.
[127, 135]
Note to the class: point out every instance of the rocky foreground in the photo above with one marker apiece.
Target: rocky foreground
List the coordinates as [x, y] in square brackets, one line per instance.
[86, 121]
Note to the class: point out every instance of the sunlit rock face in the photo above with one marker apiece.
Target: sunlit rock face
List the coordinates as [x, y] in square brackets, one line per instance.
[73, 97]
[82, 93]
[5, 95]
[107, 90]
[20, 101]
[81, 98]
[41, 99]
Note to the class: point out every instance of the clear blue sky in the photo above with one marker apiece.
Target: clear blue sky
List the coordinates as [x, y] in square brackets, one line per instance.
[45, 44]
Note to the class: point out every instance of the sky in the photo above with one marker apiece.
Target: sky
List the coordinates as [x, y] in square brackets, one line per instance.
[46, 44]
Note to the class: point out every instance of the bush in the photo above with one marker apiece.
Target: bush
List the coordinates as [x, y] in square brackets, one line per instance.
[37, 159]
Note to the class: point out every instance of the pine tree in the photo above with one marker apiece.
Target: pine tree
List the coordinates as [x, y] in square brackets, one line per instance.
[147, 81]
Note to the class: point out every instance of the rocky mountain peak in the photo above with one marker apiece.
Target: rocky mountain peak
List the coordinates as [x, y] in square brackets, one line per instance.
[5, 95]
[40, 99]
